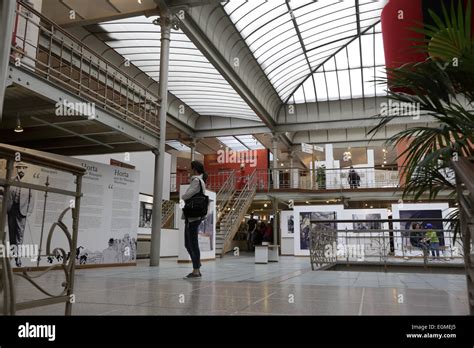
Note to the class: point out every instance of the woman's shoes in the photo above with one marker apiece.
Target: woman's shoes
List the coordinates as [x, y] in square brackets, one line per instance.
[193, 275]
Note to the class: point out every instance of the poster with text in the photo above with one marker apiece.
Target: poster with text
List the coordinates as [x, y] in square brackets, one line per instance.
[107, 221]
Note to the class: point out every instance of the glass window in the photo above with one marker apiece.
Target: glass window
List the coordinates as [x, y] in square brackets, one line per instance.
[192, 78]
[329, 36]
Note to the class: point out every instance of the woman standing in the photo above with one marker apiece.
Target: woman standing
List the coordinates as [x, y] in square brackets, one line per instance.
[198, 183]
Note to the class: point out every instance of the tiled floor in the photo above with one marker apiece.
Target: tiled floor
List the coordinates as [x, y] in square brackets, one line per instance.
[236, 286]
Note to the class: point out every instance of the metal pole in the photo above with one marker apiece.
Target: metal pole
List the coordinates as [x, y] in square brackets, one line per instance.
[275, 160]
[165, 23]
[75, 235]
[292, 163]
[5, 270]
[7, 14]
[275, 221]
[193, 150]
[42, 221]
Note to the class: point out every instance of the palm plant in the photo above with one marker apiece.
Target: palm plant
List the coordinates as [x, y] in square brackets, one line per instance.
[443, 88]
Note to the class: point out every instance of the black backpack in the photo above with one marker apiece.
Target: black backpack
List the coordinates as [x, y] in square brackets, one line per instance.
[197, 205]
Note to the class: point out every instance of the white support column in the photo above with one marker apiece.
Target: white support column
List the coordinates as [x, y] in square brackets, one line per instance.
[7, 15]
[275, 175]
[294, 174]
[275, 221]
[193, 149]
[370, 177]
[165, 22]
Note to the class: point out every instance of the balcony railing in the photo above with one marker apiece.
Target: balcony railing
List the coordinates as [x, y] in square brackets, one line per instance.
[380, 244]
[215, 181]
[327, 179]
[45, 49]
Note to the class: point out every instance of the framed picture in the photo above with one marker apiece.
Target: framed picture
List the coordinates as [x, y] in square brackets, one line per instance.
[407, 239]
[303, 217]
[287, 224]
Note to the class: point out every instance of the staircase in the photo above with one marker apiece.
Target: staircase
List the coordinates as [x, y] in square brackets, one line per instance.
[167, 211]
[225, 194]
[232, 212]
[464, 169]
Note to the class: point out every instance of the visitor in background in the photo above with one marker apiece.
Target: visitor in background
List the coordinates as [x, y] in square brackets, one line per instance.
[268, 232]
[259, 233]
[198, 183]
[251, 228]
[433, 239]
[353, 178]
[416, 235]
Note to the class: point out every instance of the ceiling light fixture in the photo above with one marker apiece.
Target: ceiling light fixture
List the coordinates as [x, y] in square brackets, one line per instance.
[18, 128]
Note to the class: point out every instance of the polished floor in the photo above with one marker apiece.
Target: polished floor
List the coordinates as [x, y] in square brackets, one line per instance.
[236, 286]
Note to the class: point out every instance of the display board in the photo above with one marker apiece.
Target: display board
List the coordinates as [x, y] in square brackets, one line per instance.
[302, 223]
[422, 213]
[363, 234]
[108, 213]
[287, 224]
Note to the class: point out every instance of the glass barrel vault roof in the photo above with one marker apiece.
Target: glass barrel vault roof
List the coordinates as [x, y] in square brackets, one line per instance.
[192, 78]
[314, 50]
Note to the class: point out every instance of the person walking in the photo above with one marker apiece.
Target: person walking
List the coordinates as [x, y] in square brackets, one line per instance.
[197, 185]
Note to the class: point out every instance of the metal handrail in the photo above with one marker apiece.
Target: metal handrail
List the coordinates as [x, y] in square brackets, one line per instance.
[225, 194]
[167, 210]
[334, 178]
[327, 246]
[61, 57]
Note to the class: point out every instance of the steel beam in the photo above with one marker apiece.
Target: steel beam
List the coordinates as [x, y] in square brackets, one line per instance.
[212, 31]
[7, 14]
[349, 135]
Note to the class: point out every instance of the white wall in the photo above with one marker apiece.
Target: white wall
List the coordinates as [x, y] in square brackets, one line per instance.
[287, 246]
[287, 239]
[144, 162]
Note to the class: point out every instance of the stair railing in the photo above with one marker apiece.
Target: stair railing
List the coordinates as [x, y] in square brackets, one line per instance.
[225, 194]
[230, 221]
[167, 211]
